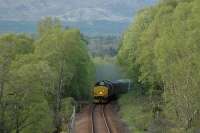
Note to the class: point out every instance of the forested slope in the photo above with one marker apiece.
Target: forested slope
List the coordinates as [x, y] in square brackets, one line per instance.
[38, 77]
[161, 54]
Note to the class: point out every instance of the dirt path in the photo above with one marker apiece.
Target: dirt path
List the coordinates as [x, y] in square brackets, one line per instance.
[82, 122]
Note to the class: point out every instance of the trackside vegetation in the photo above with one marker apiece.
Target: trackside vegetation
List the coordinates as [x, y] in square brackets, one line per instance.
[160, 52]
[39, 76]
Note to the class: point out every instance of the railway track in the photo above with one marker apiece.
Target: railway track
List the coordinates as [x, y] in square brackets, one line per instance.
[99, 120]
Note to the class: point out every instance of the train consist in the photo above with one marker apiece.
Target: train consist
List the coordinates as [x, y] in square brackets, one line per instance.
[105, 91]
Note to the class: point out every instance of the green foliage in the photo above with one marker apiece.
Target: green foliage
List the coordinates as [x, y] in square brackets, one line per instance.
[162, 52]
[11, 45]
[136, 111]
[66, 53]
[26, 96]
[47, 24]
[38, 76]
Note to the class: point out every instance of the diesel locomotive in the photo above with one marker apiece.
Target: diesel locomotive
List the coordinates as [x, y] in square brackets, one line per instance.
[105, 90]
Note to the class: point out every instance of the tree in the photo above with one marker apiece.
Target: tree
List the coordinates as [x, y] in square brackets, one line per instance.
[28, 108]
[162, 48]
[11, 45]
[65, 52]
[37, 77]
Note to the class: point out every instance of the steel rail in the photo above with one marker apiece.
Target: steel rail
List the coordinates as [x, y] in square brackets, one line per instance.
[104, 119]
[92, 118]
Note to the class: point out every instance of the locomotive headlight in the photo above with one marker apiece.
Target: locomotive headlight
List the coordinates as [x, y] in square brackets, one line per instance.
[100, 92]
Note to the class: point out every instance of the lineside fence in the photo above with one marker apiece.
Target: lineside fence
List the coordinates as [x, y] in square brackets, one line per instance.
[71, 124]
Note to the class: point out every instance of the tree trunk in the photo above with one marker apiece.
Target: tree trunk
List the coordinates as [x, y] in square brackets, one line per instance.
[1, 91]
[58, 99]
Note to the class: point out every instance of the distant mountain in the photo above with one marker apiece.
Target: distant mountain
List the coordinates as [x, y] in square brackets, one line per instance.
[71, 10]
[108, 16]
[91, 14]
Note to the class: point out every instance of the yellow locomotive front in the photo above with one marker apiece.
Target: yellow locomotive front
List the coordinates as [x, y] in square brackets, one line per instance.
[100, 93]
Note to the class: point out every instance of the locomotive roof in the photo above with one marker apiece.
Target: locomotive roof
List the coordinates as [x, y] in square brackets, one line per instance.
[103, 82]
